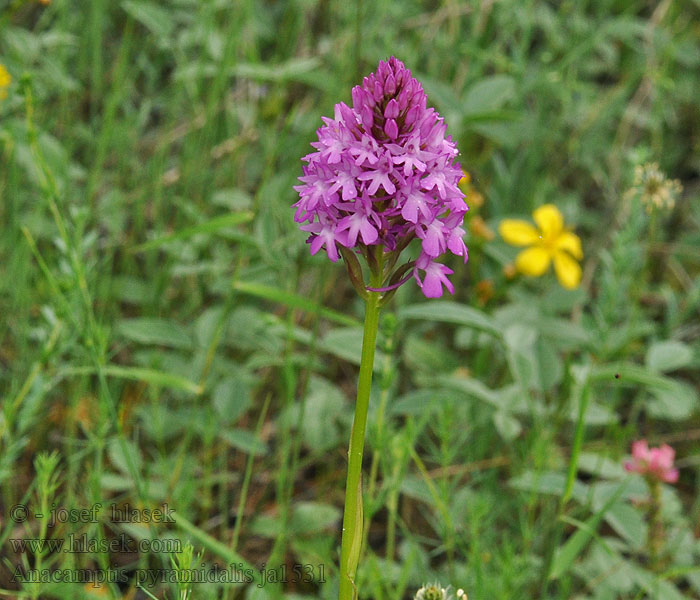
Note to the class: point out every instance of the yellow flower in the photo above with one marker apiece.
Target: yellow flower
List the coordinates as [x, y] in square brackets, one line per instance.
[5, 81]
[550, 241]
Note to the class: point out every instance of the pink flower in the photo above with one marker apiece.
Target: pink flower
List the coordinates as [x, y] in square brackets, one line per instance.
[656, 463]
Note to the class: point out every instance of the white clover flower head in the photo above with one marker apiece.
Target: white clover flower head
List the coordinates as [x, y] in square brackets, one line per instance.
[655, 190]
[432, 592]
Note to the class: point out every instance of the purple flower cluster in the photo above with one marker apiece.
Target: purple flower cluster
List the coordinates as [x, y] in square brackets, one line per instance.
[384, 173]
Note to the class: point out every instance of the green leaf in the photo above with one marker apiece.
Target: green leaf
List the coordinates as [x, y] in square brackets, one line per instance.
[232, 199]
[158, 332]
[551, 369]
[433, 357]
[520, 340]
[293, 69]
[601, 466]
[596, 414]
[418, 402]
[507, 425]
[547, 482]
[471, 387]
[292, 300]
[577, 542]
[150, 376]
[628, 522]
[118, 450]
[211, 226]
[674, 401]
[244, 440]
[346, 343]
[325, 404]
[313, 517]
[231, 398]
[440, 94]
[155, 18]
[668, 356]
[450, 312]
[488, 95]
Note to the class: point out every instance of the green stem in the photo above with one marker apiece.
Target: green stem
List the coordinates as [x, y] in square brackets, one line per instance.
[352, 516]
[655, 540]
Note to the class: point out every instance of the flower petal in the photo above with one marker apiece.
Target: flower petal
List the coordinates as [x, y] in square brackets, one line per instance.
[533, 261]
[567, 269]
[518, 233]
[571, 243]
[549, 220]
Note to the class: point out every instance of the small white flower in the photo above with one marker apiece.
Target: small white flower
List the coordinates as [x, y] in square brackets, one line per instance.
[431, 592]
[655, 190]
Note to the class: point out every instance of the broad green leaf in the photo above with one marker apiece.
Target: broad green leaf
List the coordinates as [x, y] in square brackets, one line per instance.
[243, 440]
[521, 342]
[232, 198]
[673, 401]
[290, 70]
[154, 17]
[418, 402]
[211, 226]
[231, 398]
[131, 290]
[551, 368]
[346, 343]
[596, 414]
[547, 482]
[292, 300]
[159, 332]
[507, 425]
[472, 387]
[440, 94]
[668, 356]
[118, 450]
[601, 466]
[325, 405]
[313, 517]
[488, 94]
[433, 357]
[628, 522]
[446, 311]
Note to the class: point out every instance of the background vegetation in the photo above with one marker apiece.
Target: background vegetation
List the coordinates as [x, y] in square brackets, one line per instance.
[166, 335]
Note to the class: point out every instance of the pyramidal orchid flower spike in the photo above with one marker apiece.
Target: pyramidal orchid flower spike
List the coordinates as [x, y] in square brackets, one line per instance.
[383, 174]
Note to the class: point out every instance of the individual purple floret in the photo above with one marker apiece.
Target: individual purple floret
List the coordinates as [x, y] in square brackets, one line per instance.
[383, 174]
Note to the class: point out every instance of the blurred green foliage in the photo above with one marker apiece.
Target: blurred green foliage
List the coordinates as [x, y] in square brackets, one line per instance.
[157, 297]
